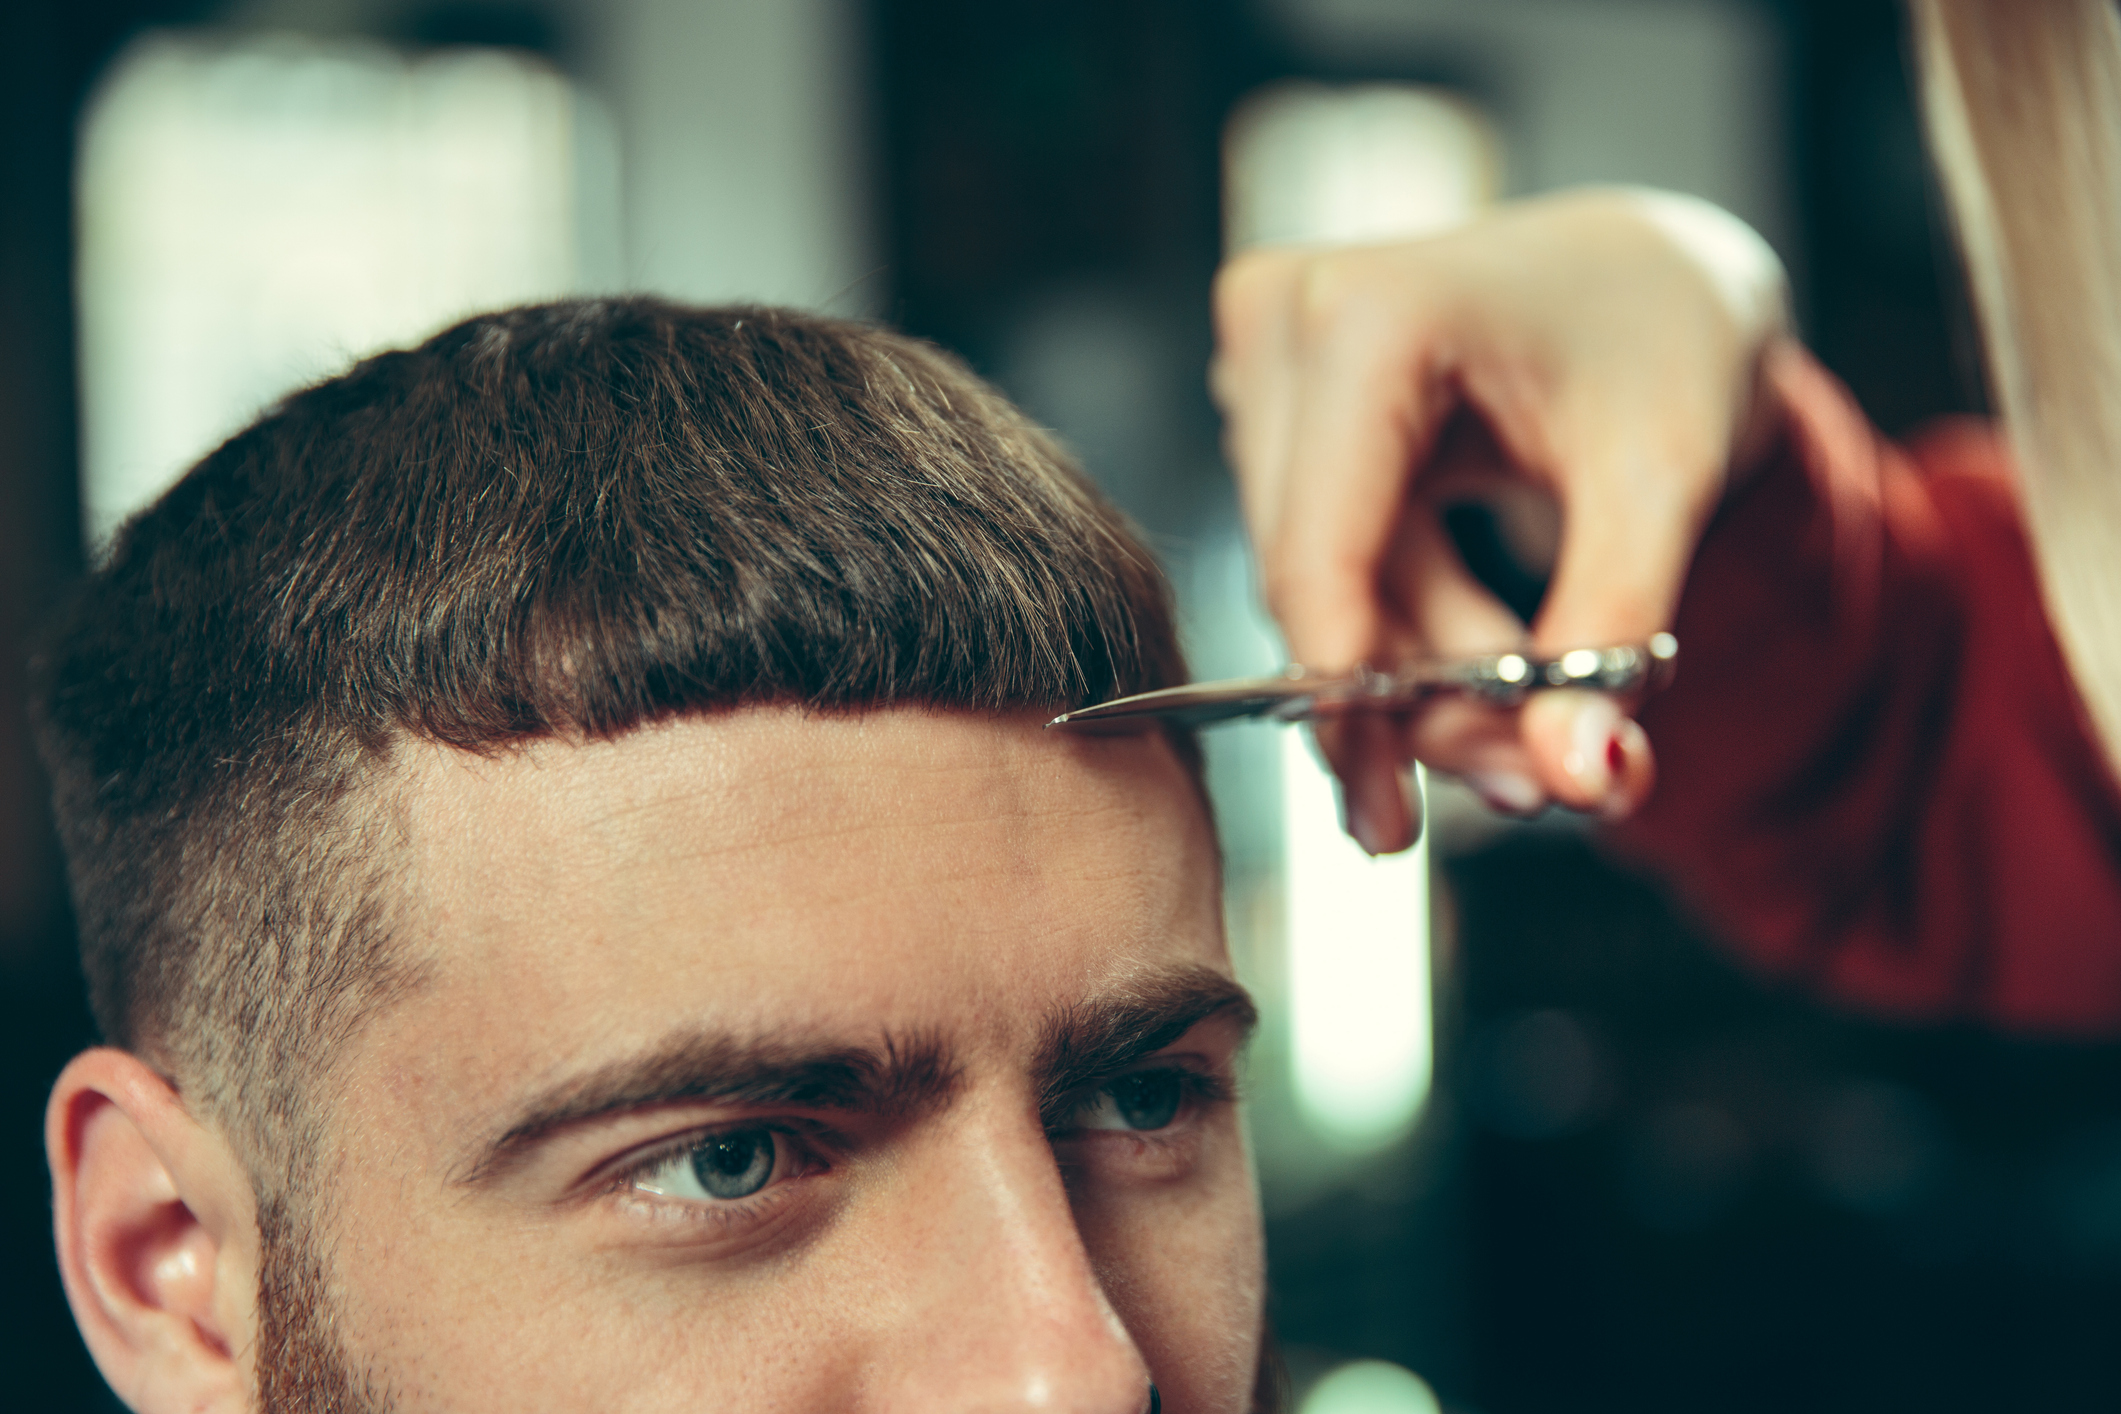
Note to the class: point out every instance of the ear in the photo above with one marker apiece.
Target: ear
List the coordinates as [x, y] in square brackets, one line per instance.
[157, 1235]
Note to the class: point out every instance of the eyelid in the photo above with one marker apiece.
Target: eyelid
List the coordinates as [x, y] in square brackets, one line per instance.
[624, 1172]
[1203, 1085]
[1194, 1067]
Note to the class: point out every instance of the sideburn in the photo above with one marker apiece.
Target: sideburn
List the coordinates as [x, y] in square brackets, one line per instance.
[301, 1364]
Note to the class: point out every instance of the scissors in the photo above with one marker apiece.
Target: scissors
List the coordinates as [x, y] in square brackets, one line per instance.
[1296, 695]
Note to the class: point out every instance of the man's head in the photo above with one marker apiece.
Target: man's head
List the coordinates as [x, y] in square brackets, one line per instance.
[586, 916]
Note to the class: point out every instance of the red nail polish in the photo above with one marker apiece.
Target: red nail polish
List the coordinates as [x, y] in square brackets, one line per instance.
[1616, 755]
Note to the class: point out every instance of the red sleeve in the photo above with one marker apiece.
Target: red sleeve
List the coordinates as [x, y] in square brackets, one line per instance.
[1874, 773]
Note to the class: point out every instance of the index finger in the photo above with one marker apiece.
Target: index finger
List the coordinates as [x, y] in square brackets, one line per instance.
[1368, 404]
[1252, 374]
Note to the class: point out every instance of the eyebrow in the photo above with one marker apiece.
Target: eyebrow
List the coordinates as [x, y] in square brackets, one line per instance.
[1096, 1039]
[904, 1074]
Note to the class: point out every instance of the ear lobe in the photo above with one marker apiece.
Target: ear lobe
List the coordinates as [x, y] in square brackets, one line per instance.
[156, 1236]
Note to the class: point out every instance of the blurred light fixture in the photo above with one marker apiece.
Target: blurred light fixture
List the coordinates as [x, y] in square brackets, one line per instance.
[1357, 934]
[1371, 1387]
[256, 212]
[1370, 162]
[1311, 163]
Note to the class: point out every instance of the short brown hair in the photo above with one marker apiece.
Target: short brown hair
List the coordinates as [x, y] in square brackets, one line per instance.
[574, 518]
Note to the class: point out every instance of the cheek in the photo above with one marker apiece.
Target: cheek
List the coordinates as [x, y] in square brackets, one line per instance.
[470, 1317]
[1183, 1264]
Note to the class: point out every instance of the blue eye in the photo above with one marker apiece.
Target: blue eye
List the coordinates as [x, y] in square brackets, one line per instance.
[721, 1167]
[1144, 1100]
[734, 1165]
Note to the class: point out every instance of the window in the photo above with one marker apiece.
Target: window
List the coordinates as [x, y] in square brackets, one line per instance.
[256, 213]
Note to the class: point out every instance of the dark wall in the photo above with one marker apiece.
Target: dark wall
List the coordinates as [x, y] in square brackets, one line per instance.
[47, 52]
[1882, 301]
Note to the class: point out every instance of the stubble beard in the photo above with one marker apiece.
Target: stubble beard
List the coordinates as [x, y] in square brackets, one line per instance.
[301, 1365]
[303, 1368]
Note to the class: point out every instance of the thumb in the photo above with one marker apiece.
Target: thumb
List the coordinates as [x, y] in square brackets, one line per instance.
[1365, 419]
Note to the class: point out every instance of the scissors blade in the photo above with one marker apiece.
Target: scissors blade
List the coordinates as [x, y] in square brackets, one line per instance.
[1200, 704]
[1296, 695]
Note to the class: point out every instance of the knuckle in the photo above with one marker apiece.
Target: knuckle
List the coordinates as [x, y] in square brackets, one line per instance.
[1325, 294]
[1245, 287]
[1282, 589]
[1297, 587]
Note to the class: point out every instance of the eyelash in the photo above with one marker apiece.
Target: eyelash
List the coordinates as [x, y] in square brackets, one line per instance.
[1197, 1089]
[624, 1182]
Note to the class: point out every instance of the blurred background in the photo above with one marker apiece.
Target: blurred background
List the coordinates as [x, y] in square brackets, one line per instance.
[1528, 1142]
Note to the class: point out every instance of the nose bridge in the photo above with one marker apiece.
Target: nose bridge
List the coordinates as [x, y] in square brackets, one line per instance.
[1008, 1310]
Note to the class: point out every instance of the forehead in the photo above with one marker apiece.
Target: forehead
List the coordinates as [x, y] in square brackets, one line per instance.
[768, 871]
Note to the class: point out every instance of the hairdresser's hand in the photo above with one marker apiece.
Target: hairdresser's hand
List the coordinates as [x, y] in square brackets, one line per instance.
[1595, 354]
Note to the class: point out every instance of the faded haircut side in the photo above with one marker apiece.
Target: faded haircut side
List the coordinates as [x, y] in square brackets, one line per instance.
[563, 520]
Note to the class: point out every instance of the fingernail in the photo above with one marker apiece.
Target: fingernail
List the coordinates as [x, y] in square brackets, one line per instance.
[1625, 753]
[1417, 807]
[1591, 758]
[1370, 810]
[1509, 792]
[1363, 824]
